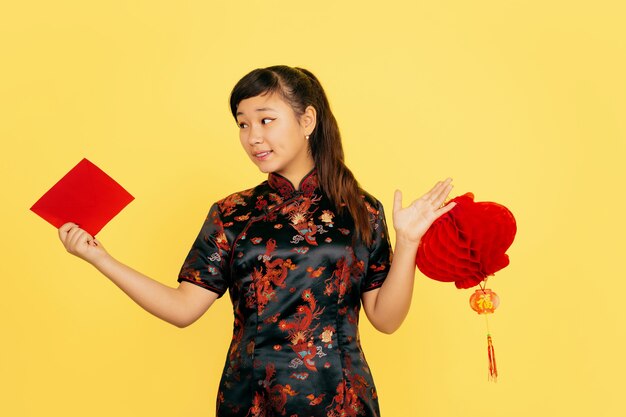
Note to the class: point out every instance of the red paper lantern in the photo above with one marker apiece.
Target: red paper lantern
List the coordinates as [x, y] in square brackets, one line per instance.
[468, 243]
[465, 246]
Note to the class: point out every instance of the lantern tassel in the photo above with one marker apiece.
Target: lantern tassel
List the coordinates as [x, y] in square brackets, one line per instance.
[493, 370]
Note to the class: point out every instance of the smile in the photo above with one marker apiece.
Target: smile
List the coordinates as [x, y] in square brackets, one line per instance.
[262, 155]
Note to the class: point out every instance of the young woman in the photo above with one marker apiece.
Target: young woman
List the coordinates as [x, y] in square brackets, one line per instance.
[299, 254]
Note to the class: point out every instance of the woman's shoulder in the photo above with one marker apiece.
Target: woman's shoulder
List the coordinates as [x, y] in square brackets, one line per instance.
[369, 198]
[240, 202]
[372, 204]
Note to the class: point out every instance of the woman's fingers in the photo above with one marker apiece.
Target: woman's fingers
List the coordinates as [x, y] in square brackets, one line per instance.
[443, 189]
[443, 210]
[437, 195]
[397, 201]
[74, 238]
[66, 227]
[80, 243]
[413, 221]
[63, 231]
[79, 238]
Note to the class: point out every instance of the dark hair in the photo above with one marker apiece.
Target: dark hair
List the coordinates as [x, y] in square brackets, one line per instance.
[300, 88]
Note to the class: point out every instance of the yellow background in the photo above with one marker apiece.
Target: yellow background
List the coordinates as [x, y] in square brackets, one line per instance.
[521, 102]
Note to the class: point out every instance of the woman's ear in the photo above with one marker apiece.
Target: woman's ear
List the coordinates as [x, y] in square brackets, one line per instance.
[308, 120]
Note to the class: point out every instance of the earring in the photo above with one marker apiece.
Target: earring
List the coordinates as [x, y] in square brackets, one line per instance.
[307, 137]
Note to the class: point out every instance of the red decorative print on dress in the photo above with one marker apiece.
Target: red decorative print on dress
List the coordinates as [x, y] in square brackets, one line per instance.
[230, 203]
[268, 277]
[341, 279]
[315, 273]
[276, 394]
[243, 217]
[261, 203]
[327, 336]
[300, 216]
[346, 402]
[327, 218]
[315, 400]
[300, 330]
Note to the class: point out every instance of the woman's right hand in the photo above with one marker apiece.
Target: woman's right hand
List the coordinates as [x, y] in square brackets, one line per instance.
[80, 243]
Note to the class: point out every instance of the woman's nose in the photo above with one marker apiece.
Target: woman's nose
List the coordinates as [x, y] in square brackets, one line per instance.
[254, 135]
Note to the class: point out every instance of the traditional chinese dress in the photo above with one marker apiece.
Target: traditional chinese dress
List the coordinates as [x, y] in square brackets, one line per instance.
[295, 279]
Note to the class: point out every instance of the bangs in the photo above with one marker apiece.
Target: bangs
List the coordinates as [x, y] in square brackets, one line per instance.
[258, 82]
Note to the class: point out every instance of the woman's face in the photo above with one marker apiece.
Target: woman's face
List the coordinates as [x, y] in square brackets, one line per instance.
[274, 137]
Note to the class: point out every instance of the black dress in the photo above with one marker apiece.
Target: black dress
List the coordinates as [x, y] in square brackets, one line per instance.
[295, 279]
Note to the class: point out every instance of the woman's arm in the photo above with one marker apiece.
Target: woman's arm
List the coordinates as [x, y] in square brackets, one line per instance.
[387, 307]
[179, 306]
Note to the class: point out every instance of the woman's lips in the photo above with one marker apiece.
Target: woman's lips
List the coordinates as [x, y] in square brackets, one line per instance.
[262, 155]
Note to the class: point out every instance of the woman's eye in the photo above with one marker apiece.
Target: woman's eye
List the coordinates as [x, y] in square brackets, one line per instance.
[264, 121]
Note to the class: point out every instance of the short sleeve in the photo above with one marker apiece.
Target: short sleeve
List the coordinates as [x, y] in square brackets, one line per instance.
[206, 264]
[380, 254]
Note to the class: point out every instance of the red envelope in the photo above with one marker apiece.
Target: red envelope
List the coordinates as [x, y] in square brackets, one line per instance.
[86, 196]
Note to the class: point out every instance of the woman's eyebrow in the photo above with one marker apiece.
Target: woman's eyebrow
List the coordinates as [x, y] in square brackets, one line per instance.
[259, 109]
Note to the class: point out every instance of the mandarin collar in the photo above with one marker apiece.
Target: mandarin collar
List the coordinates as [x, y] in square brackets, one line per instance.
[307, 185]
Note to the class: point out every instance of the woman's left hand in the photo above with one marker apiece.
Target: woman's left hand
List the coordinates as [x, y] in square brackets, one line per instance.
[412, 222]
